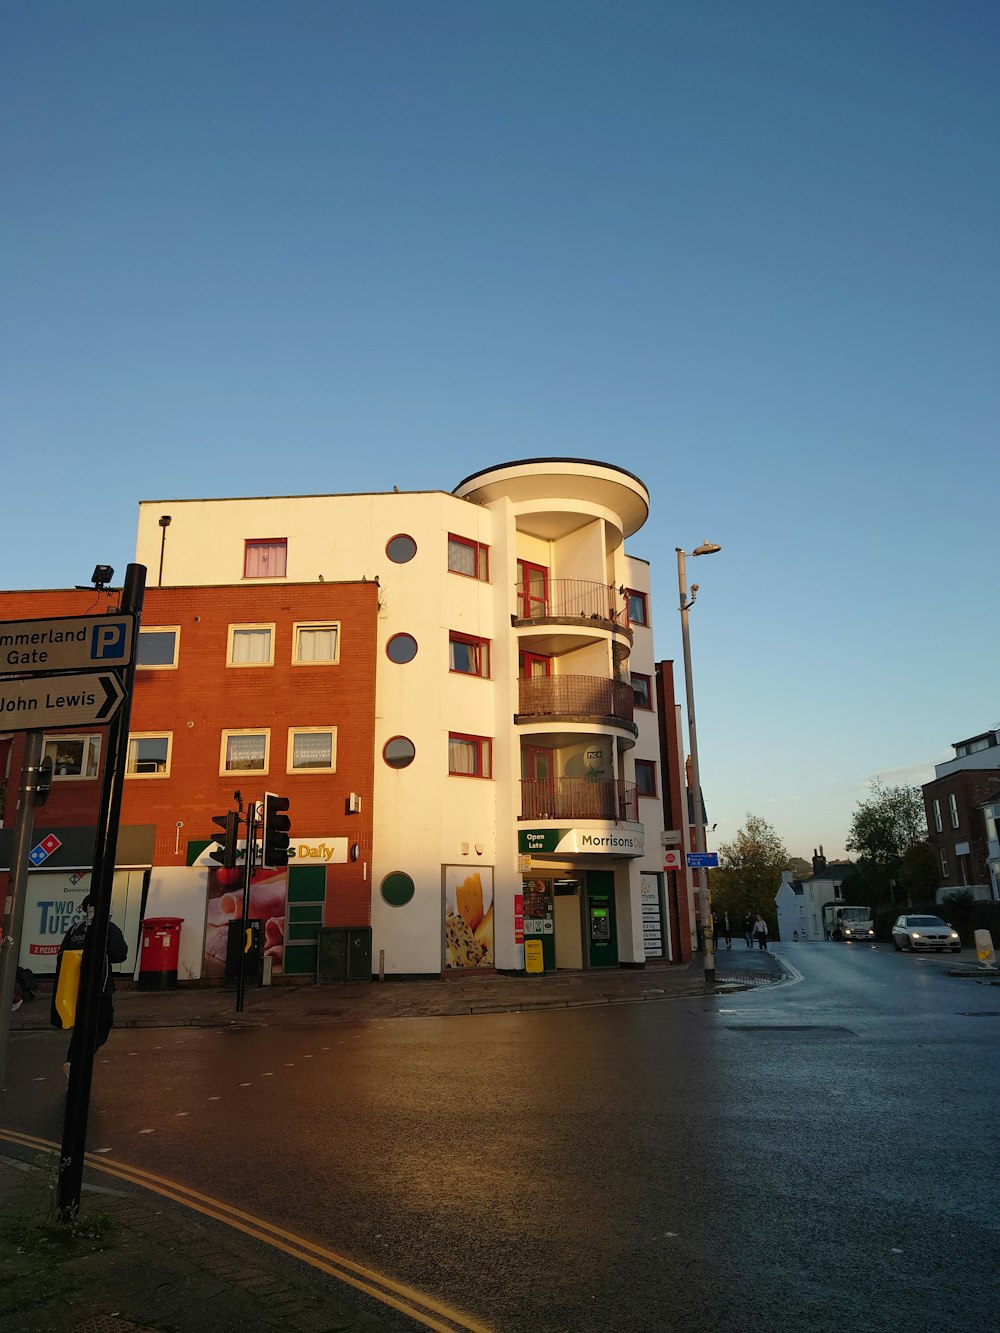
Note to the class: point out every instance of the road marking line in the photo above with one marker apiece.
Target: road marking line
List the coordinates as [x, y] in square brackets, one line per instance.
[407, 1300]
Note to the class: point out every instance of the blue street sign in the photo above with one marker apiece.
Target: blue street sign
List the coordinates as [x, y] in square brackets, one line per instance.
[703, 860]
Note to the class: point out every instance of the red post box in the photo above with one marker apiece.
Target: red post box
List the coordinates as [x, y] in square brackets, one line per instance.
[161, 942]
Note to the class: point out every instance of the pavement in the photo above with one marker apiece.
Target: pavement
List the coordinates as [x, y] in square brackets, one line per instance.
[134, 1261]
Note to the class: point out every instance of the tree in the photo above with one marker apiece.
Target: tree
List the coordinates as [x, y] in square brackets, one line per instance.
[749, 871]
[884, 831]
[799, 866]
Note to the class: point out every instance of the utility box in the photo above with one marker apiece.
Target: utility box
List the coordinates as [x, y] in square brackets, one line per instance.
[252, 948]
[344, 953]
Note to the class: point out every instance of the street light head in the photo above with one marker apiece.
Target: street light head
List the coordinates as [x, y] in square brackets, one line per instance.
[706, 548]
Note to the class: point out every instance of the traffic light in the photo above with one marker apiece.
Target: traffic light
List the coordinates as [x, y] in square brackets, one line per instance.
[222, 848]
[276, 826]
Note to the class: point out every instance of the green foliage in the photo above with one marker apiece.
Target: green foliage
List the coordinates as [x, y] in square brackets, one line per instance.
[886, 831]
[749, 872]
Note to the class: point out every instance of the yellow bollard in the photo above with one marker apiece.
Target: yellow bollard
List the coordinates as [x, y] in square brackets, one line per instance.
[68, 985]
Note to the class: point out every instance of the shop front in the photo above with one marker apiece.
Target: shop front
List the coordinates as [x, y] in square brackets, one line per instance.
[571, 882]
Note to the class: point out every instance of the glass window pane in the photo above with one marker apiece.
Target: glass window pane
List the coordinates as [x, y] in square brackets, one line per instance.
[265, 559]
[399, 752]
[245, 752]
[312, 749]
[157, 647]
[461, 557]
[148, 754]
[401, 648]
[251, 646]
[401, 549]
[317, 644]
[462, 756]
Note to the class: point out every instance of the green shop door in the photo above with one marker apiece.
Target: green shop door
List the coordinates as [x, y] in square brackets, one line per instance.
[601, 933]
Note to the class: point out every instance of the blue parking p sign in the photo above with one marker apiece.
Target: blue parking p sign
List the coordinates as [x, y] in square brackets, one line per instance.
[108, 641]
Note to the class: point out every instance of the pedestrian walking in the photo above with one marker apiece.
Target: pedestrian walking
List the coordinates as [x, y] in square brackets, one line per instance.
[117, 952]
[748, 929]
[760, 931]
[727, 930]
[716, 928]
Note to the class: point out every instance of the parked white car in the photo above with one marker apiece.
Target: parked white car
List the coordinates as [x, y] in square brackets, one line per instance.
[924, 932]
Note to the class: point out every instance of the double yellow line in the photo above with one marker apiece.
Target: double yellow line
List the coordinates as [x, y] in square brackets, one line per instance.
[422, 1309]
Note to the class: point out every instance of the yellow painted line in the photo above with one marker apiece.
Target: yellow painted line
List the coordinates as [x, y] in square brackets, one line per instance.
[407, 1300]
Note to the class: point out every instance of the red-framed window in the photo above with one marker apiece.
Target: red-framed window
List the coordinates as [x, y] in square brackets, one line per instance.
[642, 688]
[532, 590]
[469, 558]
[469, 756]
[265, 557]
[645, 777]
[468, 655]
[532, 665]
[638, 611]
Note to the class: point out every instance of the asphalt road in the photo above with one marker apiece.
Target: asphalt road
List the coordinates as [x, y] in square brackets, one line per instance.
[814, 1156]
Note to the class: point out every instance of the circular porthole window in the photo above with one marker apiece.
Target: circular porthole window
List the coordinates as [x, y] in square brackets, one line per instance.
[397, 889]
[401, 648]
[399, 752]
[401, 548]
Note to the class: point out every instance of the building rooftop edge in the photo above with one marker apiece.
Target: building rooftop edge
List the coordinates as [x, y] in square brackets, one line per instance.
[560, 458]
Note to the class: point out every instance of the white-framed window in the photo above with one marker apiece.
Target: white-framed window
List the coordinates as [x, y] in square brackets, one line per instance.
[149, 754]
[73, 756]
[993, 822]
[944, 864]
[953, 809]
[312, 749]
[159, 647]
[250, 646]
[265, 557]
[937, 816]
[245, 750]
[315, 642]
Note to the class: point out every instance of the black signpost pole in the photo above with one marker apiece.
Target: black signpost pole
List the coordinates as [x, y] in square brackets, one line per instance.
[248, 869]
[96, 943]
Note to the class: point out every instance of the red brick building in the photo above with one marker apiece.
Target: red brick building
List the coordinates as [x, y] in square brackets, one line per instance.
[237, 689]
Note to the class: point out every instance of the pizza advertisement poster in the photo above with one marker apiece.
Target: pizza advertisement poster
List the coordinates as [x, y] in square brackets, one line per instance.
[468, 918]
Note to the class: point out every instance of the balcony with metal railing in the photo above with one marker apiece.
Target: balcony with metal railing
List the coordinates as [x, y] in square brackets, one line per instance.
[571, 696]
[571, 599]
[580, 798]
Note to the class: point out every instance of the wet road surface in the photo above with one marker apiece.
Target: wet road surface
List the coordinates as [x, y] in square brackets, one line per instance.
[816, 1156]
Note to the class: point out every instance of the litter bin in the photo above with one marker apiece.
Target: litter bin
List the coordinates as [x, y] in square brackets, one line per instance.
[252, 949]
[161, 942]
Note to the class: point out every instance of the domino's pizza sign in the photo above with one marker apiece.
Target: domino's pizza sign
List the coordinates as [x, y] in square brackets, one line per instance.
[44, 850]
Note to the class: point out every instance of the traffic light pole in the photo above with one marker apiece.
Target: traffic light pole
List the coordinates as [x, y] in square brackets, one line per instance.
[248, 869]
[95, 947]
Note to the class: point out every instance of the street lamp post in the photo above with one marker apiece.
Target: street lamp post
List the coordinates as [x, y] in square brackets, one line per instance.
[708, 944]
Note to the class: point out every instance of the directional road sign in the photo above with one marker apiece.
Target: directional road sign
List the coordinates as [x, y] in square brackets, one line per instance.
[703, 860]
[46, 702]
[65, 643]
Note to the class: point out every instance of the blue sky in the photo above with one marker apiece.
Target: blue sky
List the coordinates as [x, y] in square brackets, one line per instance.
[747, 251]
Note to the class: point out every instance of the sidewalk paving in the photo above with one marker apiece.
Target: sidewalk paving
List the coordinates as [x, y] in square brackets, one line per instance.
[200, 1006]
[138, 1264]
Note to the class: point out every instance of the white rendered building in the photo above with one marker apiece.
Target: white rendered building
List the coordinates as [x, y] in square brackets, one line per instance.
[517, 786]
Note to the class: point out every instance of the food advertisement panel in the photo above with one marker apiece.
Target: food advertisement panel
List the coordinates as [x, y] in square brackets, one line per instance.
[268, 894]
[468, 918]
